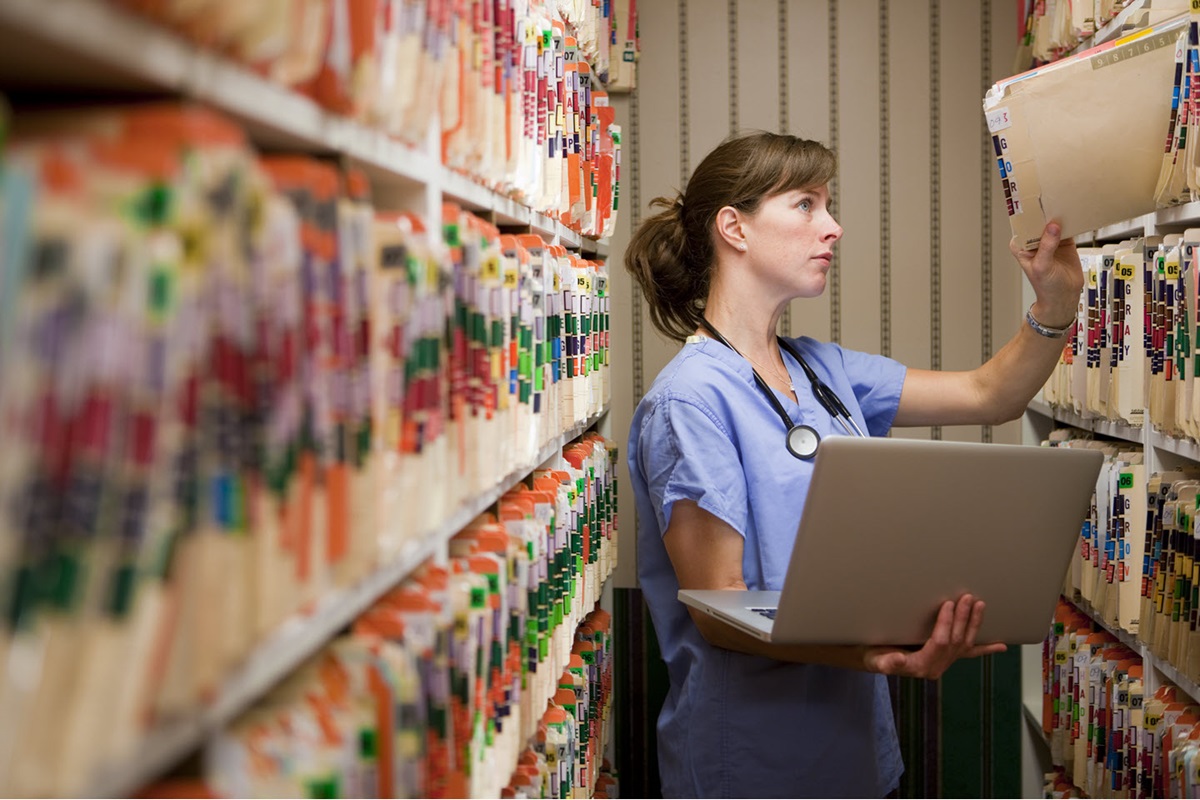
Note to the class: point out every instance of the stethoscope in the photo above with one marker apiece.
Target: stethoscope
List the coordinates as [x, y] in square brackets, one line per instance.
[802, 440]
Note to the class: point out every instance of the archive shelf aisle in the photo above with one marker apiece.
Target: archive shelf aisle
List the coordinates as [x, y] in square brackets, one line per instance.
[81, 46]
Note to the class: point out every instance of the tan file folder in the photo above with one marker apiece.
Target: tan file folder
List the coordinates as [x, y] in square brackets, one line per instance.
[1081, 140]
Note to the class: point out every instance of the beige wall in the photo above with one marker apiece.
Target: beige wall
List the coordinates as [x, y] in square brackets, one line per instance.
[896, 89]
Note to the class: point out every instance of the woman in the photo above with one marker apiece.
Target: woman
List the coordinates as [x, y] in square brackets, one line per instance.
[719, 497]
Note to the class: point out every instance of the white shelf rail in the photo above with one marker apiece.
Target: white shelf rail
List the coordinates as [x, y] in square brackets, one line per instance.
[1164, 220]
[1104, 427]
[1186, 448]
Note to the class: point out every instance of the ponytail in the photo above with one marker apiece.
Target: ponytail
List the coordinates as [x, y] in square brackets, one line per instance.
[658, 257]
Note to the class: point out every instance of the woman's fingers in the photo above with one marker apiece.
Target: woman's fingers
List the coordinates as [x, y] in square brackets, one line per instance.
[1051, 237]
[962, 619]
[954, 633]
[943, 628]
[986, 650]
[975, 623]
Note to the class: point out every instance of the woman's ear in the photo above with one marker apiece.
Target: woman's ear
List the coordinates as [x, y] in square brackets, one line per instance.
[731, 228]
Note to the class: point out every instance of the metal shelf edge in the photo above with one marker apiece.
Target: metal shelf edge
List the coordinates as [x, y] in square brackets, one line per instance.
[1033, 720]
[1105, 427]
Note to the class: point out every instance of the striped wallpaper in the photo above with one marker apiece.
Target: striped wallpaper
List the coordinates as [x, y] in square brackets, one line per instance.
[923, 273]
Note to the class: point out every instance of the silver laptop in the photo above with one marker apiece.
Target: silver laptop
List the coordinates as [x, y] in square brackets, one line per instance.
[894, 527]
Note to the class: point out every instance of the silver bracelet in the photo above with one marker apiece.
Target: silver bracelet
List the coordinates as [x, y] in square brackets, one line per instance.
[1044, 330]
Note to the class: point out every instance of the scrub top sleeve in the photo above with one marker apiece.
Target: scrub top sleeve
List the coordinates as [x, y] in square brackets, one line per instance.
[877, 382]
[687, 453]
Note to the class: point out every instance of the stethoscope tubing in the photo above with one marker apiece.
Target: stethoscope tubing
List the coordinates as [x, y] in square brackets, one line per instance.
[802, 440]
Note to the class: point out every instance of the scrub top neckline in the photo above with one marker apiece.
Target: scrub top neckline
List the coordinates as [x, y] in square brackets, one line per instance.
[746, 370]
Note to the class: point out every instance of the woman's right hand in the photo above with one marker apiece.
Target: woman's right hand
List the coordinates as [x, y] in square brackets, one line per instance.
[953, 638]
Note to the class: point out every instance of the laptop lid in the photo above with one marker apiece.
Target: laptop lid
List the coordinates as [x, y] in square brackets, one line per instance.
[893, 527]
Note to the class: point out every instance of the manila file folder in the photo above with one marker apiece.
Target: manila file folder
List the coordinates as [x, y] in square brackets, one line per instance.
[1081, 140]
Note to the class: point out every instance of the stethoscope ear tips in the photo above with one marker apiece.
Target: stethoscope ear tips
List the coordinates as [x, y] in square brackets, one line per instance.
[802, 441]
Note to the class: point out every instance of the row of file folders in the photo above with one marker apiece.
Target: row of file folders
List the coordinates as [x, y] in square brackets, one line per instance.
[221, 369]
[1109, 735]
[507, 83]
[1134, 352]
[1052, 29]
[490, 676]
[1138, 561]
[492, 671]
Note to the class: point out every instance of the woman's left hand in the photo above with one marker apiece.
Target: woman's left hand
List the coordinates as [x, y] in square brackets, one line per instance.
[953, 638]
[1056, 275]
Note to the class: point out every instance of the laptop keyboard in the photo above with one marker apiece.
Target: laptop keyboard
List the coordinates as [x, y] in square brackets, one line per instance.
[769, 613]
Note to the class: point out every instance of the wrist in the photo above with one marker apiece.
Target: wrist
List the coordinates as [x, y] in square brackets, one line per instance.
[1049, 321]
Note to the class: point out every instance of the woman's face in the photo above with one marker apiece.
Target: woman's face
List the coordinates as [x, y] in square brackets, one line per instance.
[790, 241]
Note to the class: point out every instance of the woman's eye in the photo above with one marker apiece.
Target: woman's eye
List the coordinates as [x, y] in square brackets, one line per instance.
[804, 205]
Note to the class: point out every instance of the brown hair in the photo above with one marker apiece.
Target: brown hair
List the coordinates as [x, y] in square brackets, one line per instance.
[671, 254]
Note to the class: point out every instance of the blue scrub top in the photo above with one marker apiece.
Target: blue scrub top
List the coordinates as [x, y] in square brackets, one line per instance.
[735, 725]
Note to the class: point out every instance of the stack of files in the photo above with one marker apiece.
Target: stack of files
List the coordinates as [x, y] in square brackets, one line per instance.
[1163, 310]
[474, 373]
[1174, 404]
[565, 754]
[1108, 568]
[508, 86]
[216, 370]
[1122, 90]
[1178, 181]
[485, 405]
[168, 428]
[529, 121]
[485, 673]
[1101, 372]
[1187, 366]
[1092, 685]
[410, 294]
[1133, 351]
[593, 27]
[529, 346]
[367, 59]
[1169, 616]
[1052, 29]
[625, 47]
[1111, 737]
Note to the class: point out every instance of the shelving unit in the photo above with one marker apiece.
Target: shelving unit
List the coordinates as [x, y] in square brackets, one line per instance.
[1114, 27]
[1173, 219]
[1161, 451]
[87, 45]
[301, 637]
[92, 47]
[1155, 444]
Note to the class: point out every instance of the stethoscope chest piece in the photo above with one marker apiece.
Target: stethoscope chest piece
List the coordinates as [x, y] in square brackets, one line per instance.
[802, 441]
